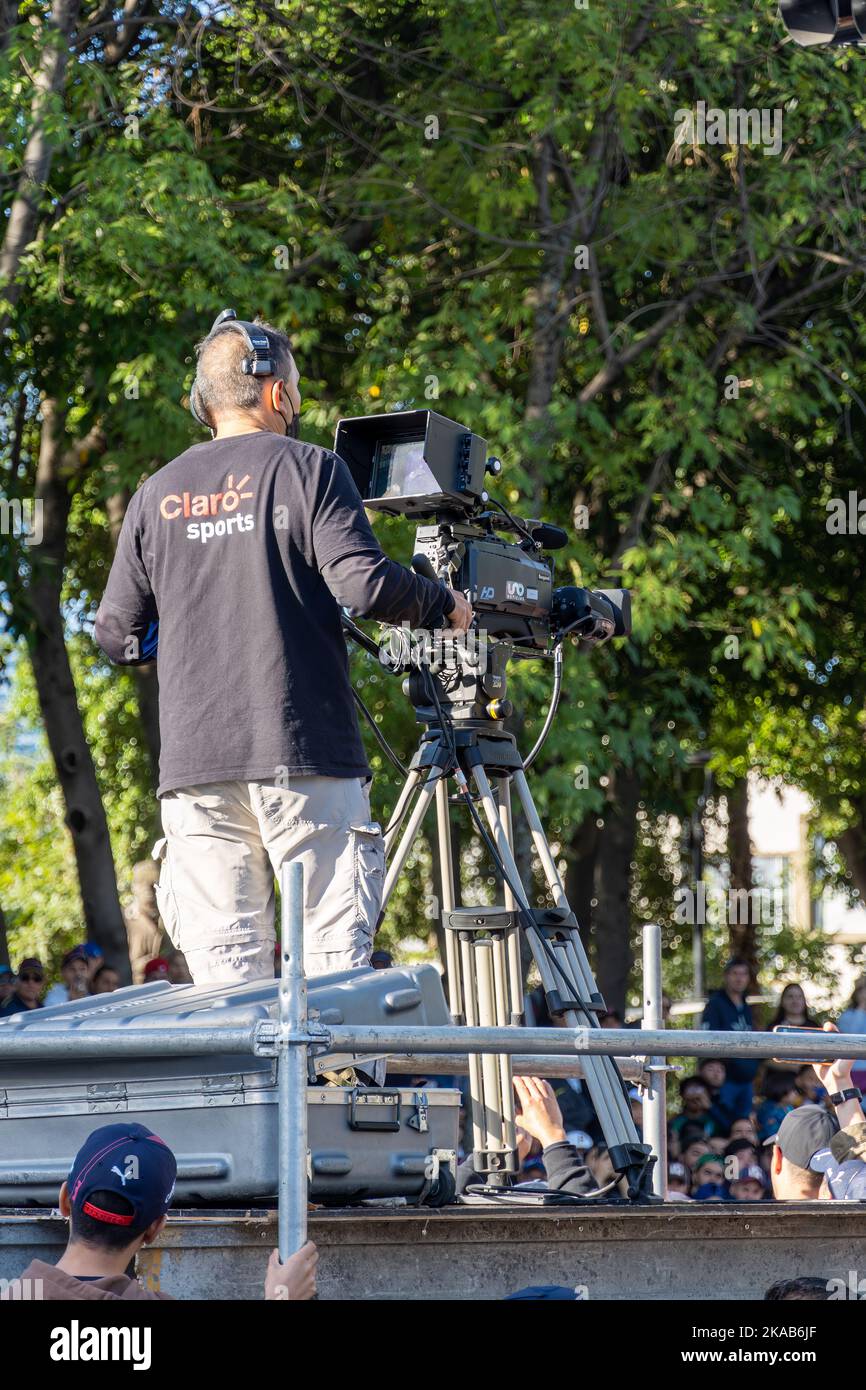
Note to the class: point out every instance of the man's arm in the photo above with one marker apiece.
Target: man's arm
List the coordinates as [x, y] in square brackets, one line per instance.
[358, 572]
[835, 1077]
[541, 1117]
[127, 623]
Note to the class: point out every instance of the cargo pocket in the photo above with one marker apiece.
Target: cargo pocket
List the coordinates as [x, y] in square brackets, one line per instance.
[165, 899]
[368, 846]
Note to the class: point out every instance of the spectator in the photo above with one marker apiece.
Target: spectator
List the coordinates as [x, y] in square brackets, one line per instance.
[381, 960]
[712, 1071]
[610, 1020]
[807, 1287]
[709, 1168]
[116, 1197]
[105, 980]
[95, 958]
[178, 970]
[156, 969]
[74, 974]
[7, 983]
[728, 1012]
[636, 1104]
[679, 1181]
[696, 1101]
[541, 1118]
[28, 987]
[853, 1020]
[749, 1186]
[808, 1086]
[802, 1134]
[843, 1168]
[692, 1151]
[599, 1164]
[744, 1128]
[711, 1192]
[793, 1010]
[780, 1096]
[739, 1154]
[539, 1122]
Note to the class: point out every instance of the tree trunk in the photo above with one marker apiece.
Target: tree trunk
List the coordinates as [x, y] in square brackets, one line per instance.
[23, 219]
[742, 926]
[8, 18]
[85, 813]
[580, 872]
[611, 926]
[4, 941]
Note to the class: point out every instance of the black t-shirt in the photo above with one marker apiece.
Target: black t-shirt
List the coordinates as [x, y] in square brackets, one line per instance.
[231, 568]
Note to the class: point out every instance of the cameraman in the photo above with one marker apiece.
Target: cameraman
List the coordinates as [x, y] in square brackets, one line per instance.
[232, 565]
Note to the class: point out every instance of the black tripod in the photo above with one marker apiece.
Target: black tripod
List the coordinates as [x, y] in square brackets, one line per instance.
[459, 704]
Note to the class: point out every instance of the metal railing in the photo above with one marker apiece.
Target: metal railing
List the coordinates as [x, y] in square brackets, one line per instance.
[288, 1037]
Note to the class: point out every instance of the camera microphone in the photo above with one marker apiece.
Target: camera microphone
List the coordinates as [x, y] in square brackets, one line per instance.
[421, 565]
[548, 536]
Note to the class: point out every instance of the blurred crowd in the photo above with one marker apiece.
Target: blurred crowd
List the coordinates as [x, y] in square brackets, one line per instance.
[83, 972]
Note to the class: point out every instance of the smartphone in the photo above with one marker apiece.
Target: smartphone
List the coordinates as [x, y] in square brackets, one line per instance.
[800, 1061]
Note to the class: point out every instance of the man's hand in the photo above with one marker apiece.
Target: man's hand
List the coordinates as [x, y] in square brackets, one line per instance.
[541, 1116]
[461, 615]
[294, 1281]
[834, 1076]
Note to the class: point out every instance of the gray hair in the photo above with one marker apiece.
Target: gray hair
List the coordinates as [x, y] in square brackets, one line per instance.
[220, 383]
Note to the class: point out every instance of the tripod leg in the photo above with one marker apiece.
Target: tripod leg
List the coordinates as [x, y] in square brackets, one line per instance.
[539, 839]
[446, 867]
[401, 854]
[512, 944]
[398, 815]
[476, 1088]
[604, 1083]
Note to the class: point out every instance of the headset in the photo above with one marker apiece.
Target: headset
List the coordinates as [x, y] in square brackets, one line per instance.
[257, 362]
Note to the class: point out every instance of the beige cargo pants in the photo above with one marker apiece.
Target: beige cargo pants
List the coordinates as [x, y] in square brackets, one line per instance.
[223, 845]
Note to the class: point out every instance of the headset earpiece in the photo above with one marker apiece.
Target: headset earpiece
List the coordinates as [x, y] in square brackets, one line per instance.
[256, 363]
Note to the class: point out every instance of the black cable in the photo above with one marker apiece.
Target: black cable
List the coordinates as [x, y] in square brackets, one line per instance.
[520, 527]
[551, 710]
[380, 737]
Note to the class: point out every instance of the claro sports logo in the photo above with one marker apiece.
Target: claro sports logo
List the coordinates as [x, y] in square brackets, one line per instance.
[223, 505]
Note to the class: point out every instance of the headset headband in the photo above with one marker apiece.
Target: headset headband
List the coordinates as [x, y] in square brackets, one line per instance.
[256, 363]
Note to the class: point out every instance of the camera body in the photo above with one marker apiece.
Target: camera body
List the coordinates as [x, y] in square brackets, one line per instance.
[511, 591]
[419, 464]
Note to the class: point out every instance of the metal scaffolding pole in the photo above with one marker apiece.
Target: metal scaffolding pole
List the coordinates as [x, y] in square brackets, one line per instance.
[48, 1044]
[655, 1128]
[522, 1064]
[292, 1068]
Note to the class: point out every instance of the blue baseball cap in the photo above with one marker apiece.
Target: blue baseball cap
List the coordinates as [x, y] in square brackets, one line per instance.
[130, 1161]
[91, 949]
[846, 1180]
[535, 1292]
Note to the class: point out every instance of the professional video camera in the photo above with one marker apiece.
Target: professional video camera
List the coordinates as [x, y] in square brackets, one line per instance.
[420, 464]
